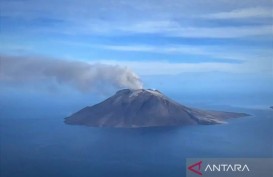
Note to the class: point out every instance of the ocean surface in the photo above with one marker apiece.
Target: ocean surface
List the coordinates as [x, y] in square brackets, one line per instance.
[43, 146]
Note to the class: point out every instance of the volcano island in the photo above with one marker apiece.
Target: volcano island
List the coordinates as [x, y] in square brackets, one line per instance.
[135, 108]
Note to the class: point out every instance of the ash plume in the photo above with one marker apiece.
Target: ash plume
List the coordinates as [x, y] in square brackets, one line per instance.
[78, 74]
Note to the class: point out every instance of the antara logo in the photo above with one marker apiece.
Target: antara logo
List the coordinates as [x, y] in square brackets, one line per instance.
[196, 168]
[227, 167]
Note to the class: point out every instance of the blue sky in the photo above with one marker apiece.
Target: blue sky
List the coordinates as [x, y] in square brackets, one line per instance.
[153, 38]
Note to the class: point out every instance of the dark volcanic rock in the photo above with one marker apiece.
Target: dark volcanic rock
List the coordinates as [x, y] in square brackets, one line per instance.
[144, 108]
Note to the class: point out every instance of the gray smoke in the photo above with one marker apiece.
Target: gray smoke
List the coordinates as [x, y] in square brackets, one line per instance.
[81, 75]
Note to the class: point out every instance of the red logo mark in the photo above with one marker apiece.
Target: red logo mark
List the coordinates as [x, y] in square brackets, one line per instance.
[198, 170]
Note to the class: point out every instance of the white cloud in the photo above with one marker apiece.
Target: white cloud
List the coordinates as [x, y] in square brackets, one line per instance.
[225, 32]
[255, 12]
[173, 29]
[238, 53]
[163, 17]
[174, 49]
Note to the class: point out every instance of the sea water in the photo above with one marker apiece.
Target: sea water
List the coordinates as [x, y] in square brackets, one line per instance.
[43, 146]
